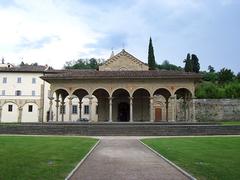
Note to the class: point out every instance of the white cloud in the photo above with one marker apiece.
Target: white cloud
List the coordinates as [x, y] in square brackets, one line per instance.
[33, 20]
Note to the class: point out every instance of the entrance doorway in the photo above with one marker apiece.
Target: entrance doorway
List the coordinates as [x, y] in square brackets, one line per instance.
[123, 112]
[158, 114]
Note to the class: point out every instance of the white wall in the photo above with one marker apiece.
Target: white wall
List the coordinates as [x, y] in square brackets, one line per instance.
[30, 116]
[9, 116]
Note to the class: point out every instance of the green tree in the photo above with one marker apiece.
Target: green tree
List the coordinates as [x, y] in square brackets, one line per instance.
[83, 64]
[225, 75]
[168, 66]
[195, 63]
[151, 57]
[188, 64]
[211, 69]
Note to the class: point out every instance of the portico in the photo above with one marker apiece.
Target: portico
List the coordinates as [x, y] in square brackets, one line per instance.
[126, 91]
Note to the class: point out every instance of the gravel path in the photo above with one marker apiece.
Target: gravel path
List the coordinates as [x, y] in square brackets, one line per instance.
[125, 159]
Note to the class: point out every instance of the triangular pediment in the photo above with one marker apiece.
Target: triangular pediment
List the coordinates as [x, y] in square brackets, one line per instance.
[123, 61]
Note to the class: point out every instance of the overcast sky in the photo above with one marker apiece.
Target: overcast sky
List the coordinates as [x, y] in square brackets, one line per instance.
[55, 31]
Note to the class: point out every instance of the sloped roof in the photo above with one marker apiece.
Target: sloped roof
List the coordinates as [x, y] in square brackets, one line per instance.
[94, 74]
[126, 54]
[28, 69]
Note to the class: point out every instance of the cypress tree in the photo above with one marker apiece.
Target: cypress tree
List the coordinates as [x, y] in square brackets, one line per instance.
[151, 57]
[188, 64]
[195, 63]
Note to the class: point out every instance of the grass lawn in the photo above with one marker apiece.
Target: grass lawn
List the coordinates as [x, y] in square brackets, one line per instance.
[211, 158]
[230, 123]
[35, 157]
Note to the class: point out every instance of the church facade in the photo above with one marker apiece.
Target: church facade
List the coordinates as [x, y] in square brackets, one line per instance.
[125, 90]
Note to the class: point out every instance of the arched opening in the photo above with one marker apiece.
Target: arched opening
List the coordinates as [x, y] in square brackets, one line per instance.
[81, 105]
[141, 105]
[121, 105]
[10, 112]
[30, 113]
[102, 106]
[183, 106]
[57, 112]
[161, 104]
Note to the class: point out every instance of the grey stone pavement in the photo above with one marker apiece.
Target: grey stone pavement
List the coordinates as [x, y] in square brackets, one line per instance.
[125, 159]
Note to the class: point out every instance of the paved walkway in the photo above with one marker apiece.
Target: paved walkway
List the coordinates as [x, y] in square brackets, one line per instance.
[125, 159]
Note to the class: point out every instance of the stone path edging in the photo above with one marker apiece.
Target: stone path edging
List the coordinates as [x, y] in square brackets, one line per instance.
[168, 161]
[81, 162]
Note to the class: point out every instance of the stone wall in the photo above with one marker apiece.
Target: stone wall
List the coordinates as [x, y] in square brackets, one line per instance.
[120, 129]
[215, 109]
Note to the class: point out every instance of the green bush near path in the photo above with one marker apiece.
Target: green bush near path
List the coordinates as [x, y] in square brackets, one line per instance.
[35, 157]
[213, 158]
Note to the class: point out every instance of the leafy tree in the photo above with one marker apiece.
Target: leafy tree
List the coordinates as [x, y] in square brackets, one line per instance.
[232, 90]
[195, 64]
[83, 64]
[188, 64]
[211, 69]
[225, 75]
[167, 66]
[209, 90]
[238, 76]
[151, 57]
[210, 76]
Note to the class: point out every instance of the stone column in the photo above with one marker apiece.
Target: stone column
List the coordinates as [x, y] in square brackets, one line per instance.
[131, 108]
[193, 110]
[70, 107]
[62, 106]
[90, 108]
[0, 114]
[151, 109]
[110, 109]
[50, 108]
[80, 109]
[173, 103]
[39, 114]
[57, 108]
[20, 114]
[167, 109]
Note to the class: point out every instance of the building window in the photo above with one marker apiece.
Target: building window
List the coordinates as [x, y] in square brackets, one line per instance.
[74, 109]
[19, 80]
[62, 109]
[33, 93]
[4, 80]
[33, 80]
[3, 93]
[18, 93]
[86, 109]
[10, 108]
[96, 109]
[30, 108]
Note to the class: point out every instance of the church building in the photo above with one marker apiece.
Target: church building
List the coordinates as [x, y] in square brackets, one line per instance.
[125, 90]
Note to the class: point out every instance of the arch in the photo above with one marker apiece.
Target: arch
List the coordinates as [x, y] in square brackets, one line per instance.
[10, 116]
[59, 89]
[80, 93]
[33, 102]
[102, 106]
[138, 92]
[9, 101]
[183, 93]
[30, 116]
[141, 105]
[98, 91]
[118, 91]
[162, 91]
[120, 105]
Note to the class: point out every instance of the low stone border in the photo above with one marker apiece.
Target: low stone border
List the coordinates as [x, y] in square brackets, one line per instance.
[169, 162]
[81, 162]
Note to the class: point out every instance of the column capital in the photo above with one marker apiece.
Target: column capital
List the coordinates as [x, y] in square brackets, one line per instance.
[131, 98]
[70, 97]
[50, 98]
[20, 108]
